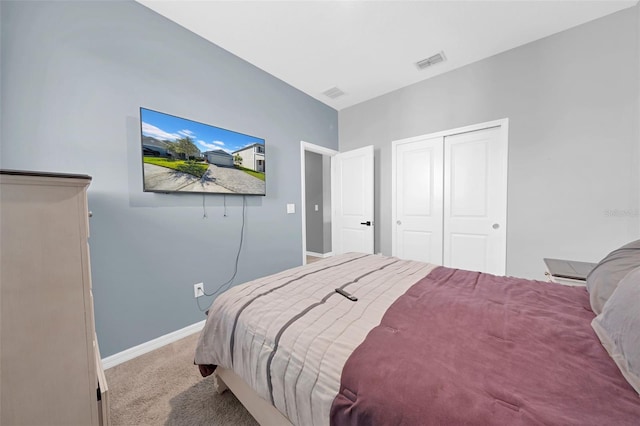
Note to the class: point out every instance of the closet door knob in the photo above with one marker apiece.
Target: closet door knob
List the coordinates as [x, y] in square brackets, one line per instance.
[495, 226]
[398, 222]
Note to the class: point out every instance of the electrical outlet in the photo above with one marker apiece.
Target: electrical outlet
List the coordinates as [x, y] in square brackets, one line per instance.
[198, 290]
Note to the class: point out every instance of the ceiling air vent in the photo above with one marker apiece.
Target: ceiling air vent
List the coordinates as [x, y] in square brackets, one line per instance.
[333, 93]
[432, 60]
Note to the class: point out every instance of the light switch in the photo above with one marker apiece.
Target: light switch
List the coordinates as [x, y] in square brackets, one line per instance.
[291, 208]
[316, 207]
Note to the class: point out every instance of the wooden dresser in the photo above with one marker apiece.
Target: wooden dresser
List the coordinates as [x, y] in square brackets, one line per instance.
[50, 367]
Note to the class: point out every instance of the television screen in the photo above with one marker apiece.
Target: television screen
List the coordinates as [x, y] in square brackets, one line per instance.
[180, 155]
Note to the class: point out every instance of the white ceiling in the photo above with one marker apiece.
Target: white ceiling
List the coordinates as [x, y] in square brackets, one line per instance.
[369, 48]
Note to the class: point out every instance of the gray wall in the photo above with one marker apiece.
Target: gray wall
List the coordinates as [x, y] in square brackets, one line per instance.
[73, 77]
[318, 192]
[572, 102]
[314, 196]
[326, 202]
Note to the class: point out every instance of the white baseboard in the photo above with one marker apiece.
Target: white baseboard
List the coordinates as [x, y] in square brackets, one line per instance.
[136, 351]
[323, 255]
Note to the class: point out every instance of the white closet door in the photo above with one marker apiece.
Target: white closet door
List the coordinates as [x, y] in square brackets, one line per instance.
[418, 200]
[449, 200]
[475, 201]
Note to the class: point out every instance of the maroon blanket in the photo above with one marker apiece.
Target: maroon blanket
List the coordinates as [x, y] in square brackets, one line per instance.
[464, 348]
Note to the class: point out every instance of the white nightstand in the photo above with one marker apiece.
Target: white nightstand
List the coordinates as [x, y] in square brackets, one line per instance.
[568, 272]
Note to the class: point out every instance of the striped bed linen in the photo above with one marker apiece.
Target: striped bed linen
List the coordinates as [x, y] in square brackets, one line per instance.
[289, 335]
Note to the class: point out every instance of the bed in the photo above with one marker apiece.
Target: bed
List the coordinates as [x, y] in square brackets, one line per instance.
[422, 344]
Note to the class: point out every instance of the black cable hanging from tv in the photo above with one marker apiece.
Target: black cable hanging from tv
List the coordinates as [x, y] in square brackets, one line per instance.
[226, 285]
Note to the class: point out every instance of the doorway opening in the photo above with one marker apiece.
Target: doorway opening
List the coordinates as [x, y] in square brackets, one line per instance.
[315, 210]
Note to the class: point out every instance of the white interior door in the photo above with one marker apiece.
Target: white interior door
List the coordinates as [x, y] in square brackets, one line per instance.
[475, 201]
[417, 217]
[352, 201]
[449, 201]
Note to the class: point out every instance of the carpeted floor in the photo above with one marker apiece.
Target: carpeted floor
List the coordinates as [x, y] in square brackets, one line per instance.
[164, 387]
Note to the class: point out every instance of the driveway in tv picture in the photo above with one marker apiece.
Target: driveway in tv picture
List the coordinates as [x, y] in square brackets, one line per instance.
[216, 179]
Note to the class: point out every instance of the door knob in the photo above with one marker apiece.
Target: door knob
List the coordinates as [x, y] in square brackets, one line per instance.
[368, 223]
[398, 222]
[495, 226]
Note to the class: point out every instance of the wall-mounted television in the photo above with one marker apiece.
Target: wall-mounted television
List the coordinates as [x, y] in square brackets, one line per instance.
[181, 155]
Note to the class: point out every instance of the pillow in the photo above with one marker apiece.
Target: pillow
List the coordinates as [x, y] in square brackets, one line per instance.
[618, 327]
[603, 279]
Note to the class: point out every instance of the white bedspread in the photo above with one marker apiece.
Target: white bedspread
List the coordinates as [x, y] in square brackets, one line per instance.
[289, 335]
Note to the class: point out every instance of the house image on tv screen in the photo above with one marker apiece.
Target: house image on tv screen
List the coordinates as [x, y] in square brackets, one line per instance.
[250, 157]
[219, 157]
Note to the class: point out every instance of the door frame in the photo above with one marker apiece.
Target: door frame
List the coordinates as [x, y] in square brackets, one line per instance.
[304, 147]
[503, 124]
